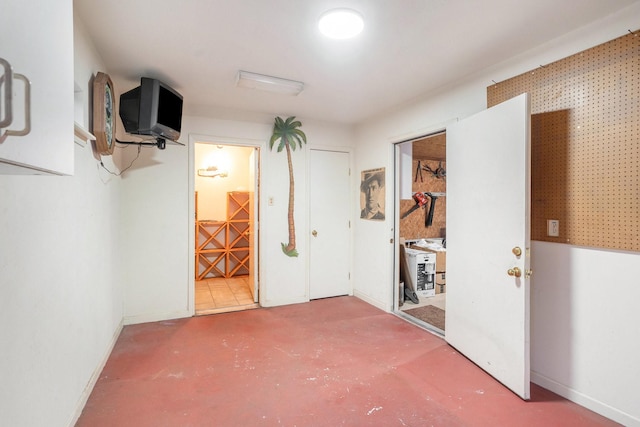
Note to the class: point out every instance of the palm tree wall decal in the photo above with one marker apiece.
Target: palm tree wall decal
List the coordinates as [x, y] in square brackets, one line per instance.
[289, 134]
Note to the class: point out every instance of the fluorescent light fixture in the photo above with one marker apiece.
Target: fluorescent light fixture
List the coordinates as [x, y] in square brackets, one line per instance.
[341, 23]
[268, 83]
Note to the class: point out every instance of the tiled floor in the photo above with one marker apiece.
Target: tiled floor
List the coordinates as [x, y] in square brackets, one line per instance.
[330, 362]
[220, 295]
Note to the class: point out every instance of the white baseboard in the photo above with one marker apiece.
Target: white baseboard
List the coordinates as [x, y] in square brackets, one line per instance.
[281, 302]
[586, 401]
[156, 317]
[374, 302]
[84, 397]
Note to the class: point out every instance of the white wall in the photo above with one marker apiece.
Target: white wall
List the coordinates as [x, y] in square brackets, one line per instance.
[212, 192]
[60, 281]
[158, 217]
[585, 333]
[592, 362]
[155, 206]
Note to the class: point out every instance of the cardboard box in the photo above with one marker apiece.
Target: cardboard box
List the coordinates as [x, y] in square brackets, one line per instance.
[441, 283]
[441, 271]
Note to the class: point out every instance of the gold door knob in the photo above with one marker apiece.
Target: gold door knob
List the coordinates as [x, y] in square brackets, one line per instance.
[517, 251]
[515, 271]
[315, 233]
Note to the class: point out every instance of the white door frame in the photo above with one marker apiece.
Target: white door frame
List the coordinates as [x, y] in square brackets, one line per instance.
[395, 155]
[523, 393]
[259, 208]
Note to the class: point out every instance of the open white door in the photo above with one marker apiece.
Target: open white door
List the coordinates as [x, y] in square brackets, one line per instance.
[488, 217]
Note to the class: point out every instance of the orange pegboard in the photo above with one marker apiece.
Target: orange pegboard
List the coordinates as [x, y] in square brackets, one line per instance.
[413, 226]
[585, 137]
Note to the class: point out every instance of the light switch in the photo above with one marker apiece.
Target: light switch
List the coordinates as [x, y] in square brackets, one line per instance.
[553, 228]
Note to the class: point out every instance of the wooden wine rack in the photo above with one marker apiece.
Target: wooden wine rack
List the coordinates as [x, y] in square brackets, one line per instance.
[223, 247]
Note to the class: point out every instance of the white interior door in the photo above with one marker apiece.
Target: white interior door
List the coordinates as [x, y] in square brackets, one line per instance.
[488, 193]
[329, 234]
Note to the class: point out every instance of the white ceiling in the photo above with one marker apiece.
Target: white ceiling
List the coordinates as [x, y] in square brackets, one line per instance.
[408, 48]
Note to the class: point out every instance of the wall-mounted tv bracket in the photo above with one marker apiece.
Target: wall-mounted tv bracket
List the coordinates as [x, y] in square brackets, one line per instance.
[6, 105]
[161, 143]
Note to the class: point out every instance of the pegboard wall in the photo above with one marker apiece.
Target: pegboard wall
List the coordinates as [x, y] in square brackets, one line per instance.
[585, 144]
[413, 226]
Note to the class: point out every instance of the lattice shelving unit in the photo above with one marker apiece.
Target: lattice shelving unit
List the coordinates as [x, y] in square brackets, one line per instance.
[223, 247]
[211, 237]
[238, 232]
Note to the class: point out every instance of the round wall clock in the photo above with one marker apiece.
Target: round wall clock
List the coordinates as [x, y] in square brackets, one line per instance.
[104, 119]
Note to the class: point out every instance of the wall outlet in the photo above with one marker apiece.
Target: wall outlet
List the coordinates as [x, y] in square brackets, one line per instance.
[553, 228]
[270, 200]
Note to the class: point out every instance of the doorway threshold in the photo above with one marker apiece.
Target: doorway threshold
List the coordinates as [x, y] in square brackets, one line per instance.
[230, 309]
[429, 313]
[421, 324]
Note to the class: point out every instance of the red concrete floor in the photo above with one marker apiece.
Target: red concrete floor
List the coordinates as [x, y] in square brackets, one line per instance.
[331, 362]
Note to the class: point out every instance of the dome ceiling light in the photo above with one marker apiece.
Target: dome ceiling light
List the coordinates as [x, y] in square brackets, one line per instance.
[341, 23]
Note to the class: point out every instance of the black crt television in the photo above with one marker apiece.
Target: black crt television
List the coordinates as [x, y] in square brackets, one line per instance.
[153, 108]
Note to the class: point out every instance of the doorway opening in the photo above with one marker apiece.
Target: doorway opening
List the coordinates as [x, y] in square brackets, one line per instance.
[487, 239]
[225, 183]
[421, 203]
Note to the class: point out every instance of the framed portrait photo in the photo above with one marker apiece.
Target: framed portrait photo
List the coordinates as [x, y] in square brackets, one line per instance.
[372, 194]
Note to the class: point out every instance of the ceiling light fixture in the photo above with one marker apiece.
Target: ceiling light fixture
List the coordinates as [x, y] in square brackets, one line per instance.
[212, 172]
[341, 23]
[269, 83]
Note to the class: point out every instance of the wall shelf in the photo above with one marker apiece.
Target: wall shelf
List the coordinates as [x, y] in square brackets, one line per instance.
[81, 136]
